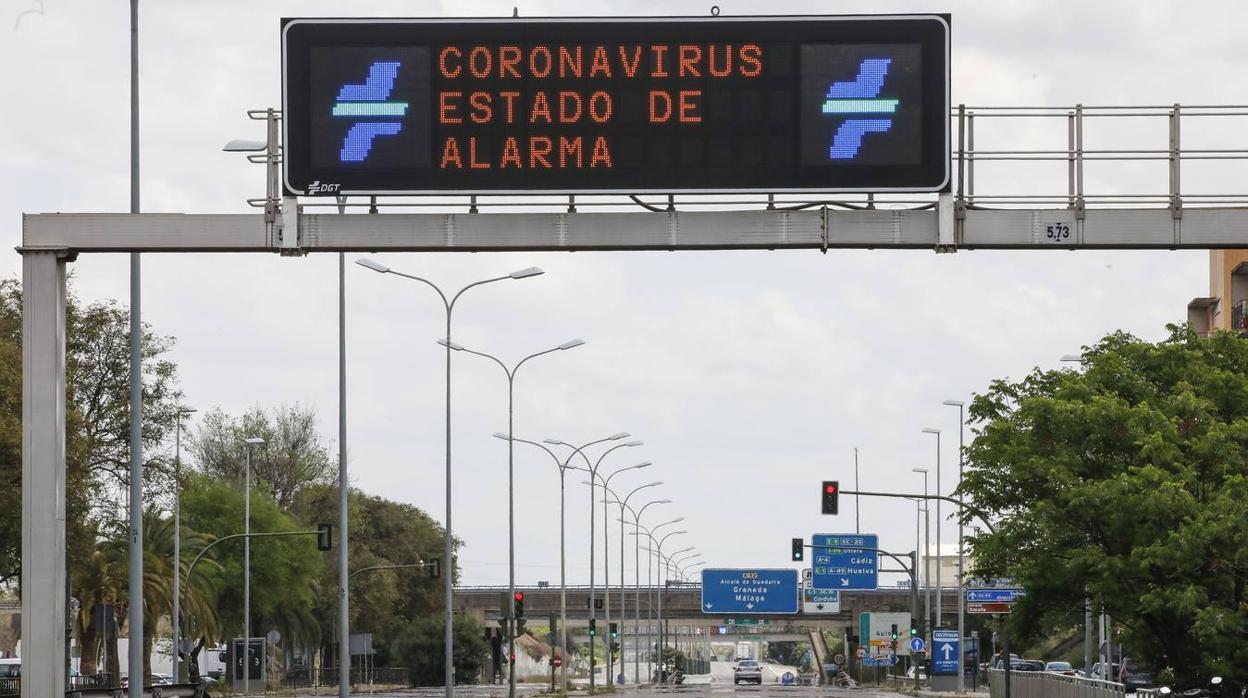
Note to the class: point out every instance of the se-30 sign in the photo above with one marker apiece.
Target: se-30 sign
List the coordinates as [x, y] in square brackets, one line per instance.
[629, 105]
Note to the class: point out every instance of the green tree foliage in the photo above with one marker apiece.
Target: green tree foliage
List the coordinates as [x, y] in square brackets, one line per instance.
[291, 458]
[1125, 482]
[422, 647]
[97, 423]
[284, 570]
[382, 532]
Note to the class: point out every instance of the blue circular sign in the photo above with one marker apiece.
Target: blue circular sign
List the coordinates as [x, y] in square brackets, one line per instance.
[916, 644]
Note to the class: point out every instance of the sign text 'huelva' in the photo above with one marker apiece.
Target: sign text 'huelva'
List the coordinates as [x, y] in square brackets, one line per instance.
[616, 105]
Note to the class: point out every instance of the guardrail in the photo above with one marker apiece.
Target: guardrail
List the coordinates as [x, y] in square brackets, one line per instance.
[1041, 684]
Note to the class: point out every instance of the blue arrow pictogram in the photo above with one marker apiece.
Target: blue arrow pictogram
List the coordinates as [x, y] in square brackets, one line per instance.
[366, 100]
[860, 96]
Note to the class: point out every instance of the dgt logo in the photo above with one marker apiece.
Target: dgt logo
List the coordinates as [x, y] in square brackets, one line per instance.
[317, 188]
[373, 115]
[856, 99]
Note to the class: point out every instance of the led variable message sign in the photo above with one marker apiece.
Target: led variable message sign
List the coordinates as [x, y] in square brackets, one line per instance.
[659, 105]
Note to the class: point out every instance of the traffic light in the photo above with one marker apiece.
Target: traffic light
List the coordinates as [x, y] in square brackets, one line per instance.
[324, 537]
[831, 496]
[519, 598]
[593, 627]
[914, 630]
[614, 630]
[893, 636]
[799, 550]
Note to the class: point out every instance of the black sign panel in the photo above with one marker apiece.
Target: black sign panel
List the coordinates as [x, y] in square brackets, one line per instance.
[659, 105]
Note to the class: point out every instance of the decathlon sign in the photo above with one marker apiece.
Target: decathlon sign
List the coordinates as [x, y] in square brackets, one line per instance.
[407, 106]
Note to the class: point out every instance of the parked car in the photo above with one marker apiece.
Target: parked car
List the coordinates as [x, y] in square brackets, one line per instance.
[1060, 668]
[748, 670]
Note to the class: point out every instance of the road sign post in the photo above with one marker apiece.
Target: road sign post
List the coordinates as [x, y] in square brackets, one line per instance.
[754, 591]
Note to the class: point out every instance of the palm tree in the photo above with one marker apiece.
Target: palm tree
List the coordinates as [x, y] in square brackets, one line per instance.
[198, 594]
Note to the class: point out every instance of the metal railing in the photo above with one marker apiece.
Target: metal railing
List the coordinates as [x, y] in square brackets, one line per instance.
[1072, 157]
[1042, 684]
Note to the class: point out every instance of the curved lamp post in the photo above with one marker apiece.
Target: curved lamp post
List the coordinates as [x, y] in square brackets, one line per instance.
[511, 485]
[449, 305]
[563, 585]
[593, 470]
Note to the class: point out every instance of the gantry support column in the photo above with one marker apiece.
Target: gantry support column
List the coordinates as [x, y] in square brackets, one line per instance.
[43, 473]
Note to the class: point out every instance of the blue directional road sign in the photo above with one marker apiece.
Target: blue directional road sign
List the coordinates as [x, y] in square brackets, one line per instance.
[917, 644]
[945, 649]
[749, 591]
[994, 595]
[845, 561]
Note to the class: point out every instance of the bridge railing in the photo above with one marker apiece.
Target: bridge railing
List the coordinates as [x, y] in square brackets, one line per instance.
[1041, 684]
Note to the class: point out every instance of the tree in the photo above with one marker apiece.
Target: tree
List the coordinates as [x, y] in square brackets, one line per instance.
[111, 565]
[382, 532]
[97, 421]
[284, 570]
[422, 648]
[1125, 483]
[291, 458]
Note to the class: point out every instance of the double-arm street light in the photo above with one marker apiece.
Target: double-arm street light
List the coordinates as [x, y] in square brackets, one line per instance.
[961, 551]
[606, 557]
[593, 471]
[636, 614]
[563, 466]
[449, 564]
[663, 572]
[247, 444]
[939, 521]
[511, 489]
[636, 577]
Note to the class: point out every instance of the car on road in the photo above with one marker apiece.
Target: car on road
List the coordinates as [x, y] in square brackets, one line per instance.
[1063, 668]
[10, 668]
[922, 674]
[748, 670]
[1098, 671]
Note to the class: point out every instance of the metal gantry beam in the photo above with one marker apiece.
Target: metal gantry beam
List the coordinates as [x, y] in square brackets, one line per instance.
[819, 229]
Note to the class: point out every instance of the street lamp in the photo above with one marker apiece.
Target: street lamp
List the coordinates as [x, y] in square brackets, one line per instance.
[650, 577]
[961, 553]
[511, 496]
[248, 443]
[563, 586]
[593, 471]
[939, 521]
[927, 541]
[606, 558]
[663, 587]
[624, 505]
[177, 544]
[449, 305]
[1072, 358]
[637, 580]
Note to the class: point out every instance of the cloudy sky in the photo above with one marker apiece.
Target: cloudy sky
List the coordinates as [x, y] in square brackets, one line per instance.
[750, 376]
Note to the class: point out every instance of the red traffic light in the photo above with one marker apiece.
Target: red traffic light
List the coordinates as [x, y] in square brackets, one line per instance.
[519, 596]
[830, 488]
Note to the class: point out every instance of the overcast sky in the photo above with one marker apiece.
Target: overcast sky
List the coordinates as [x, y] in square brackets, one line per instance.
[751, 376]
